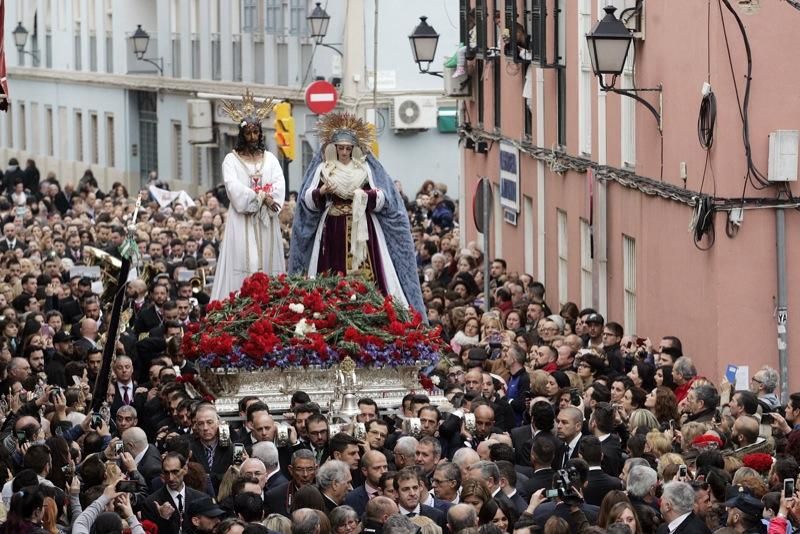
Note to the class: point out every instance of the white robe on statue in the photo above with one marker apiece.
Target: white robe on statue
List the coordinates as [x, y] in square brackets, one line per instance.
[252, 241]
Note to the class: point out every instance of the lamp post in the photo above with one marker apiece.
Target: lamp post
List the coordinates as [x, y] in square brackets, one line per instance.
[141, 40]
[20, 39]
[318, 22]
[424, 41]
[609, 43]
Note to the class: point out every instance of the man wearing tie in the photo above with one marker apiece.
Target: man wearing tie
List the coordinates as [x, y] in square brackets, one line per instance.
[373, 465]
[568, 427]
[318, 433]
[207, 450]
[167, 506]
[124, 388]
[406, 486]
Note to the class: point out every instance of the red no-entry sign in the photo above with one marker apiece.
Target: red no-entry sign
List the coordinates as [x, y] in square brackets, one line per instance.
[321, 97]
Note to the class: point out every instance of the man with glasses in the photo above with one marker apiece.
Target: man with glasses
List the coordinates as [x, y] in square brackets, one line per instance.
[764, 383]
[317, 429]
[455, 376]
[303, 471]
[612, 336]
[446, 482]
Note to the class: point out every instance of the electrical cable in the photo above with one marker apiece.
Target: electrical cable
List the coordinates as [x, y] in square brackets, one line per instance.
[756, 178]
[706, 120]
[703, 223]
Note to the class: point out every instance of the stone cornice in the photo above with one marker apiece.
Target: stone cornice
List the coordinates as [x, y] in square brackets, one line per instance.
[147, 82]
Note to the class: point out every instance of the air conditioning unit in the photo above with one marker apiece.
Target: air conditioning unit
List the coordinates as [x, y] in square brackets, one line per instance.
[200, 121]
[414, 113]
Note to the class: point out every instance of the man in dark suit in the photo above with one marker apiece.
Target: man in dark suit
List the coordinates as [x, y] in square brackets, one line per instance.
[148, 459]
[124, 386]
[508, 484]
[167, 507]
[267, 452]
[150, 317]
[542, 453]
[10, 241]
[599, 482]
[303, 471]
[677, 503]
[543, 419]
[601, 424]
[334, 482]
[569, 426]
[373, 465]
[213, 456]
[406, 486]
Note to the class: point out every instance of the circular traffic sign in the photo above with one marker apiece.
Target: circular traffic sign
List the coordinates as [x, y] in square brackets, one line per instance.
[321, 97]
[482, 204]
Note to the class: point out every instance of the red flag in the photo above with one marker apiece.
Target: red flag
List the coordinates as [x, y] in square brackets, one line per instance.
[3, 79]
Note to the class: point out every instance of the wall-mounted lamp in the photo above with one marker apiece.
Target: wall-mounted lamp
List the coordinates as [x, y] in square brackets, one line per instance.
[424, 40]
[20, 38]
[318, 22]
[141, 40]
[609, 43]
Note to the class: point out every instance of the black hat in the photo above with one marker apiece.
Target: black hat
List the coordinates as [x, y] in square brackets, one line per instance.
[594, 318]
[746, 503]
[477, 354]
[62, 337]
[205, 507]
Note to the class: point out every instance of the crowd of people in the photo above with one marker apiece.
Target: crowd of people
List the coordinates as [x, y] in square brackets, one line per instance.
[554, 422]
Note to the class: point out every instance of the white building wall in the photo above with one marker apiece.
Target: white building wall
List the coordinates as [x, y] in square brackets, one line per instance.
[190, 21]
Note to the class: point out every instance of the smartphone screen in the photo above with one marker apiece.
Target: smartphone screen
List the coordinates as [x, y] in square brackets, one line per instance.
[788, 488]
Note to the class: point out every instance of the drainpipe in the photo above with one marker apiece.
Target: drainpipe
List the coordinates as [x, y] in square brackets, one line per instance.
[782, 311]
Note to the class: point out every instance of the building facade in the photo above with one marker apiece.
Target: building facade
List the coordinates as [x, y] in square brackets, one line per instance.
[81, 98]
[602, 202]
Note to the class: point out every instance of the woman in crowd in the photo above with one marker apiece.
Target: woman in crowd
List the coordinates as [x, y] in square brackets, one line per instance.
[662, 402]
[468, 335]
[643, 375]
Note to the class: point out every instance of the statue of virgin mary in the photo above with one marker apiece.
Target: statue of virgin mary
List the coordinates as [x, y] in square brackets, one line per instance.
[350, 218]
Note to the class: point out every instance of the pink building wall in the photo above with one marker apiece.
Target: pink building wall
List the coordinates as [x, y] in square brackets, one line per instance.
[720, 302]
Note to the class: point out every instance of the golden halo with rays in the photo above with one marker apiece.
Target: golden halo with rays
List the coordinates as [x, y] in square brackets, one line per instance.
[342, 126]
[249, 110]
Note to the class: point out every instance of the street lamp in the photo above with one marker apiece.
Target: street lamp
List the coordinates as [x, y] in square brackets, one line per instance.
[20, 38]
[609, 43]
[424, 40]
[141, 40]
[318, 21]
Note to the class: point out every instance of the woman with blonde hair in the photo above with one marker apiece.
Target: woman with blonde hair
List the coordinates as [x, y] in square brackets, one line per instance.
[539, 381]
[226, 485]
[426, 525]
[657, 443]
[642, 418]
[278, 523]
[668, 465]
